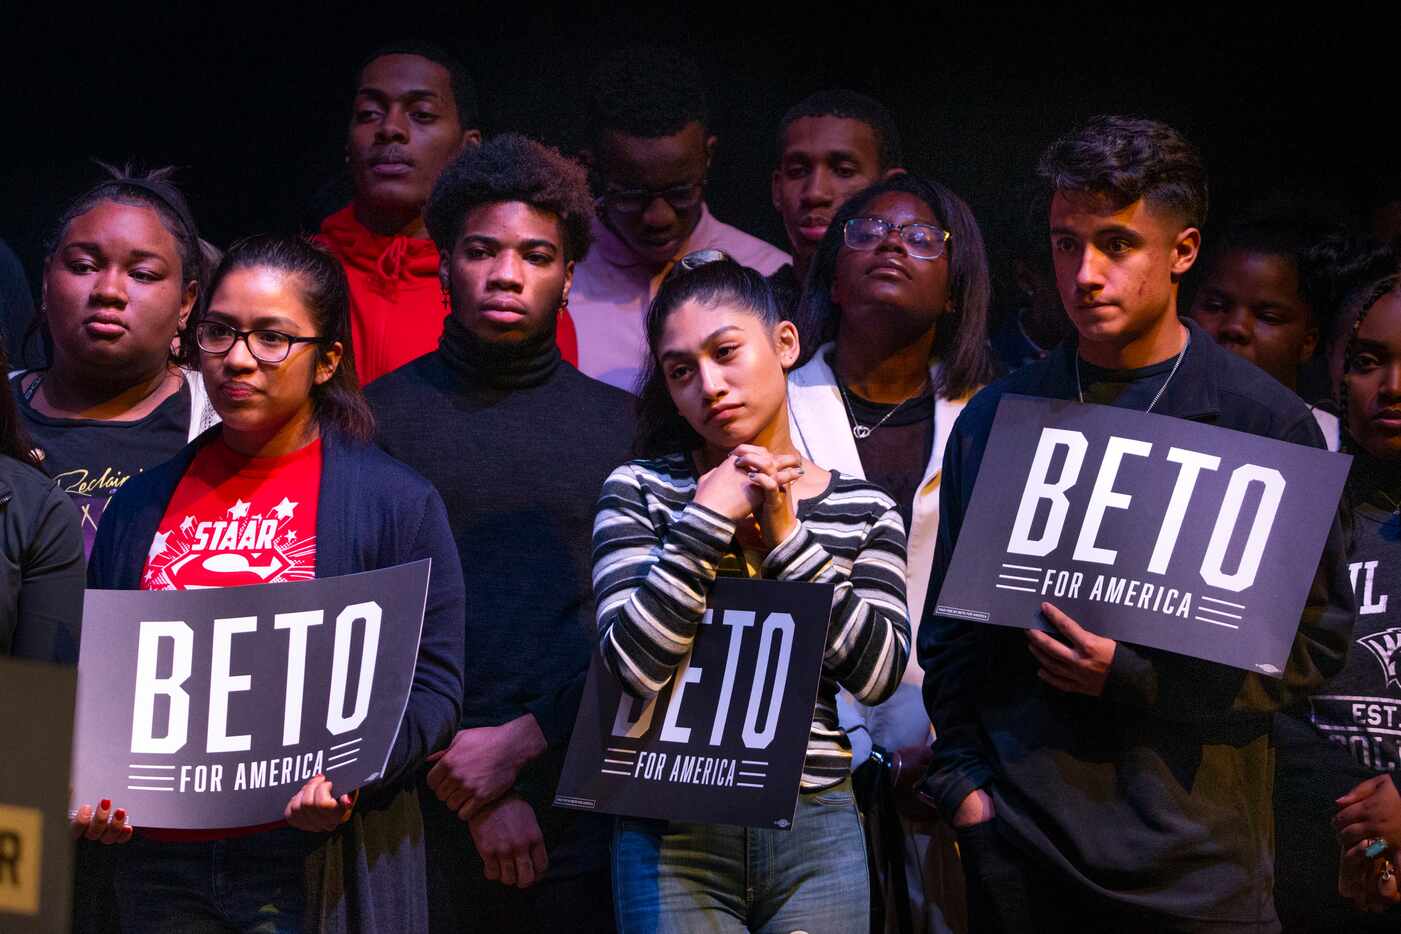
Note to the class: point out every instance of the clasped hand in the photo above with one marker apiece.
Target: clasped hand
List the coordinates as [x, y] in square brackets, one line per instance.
[474, 776]
[754, 482]
[1370, 811]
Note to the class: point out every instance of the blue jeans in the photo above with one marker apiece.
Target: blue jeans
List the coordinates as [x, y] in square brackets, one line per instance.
[244, 885]
[678, 878]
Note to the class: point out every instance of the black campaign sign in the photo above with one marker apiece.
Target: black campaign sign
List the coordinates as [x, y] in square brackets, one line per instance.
[36, 713]
[1144, 528]
[211, 708]
[724, 740]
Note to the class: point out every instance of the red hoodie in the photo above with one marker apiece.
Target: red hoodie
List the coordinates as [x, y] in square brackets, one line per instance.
[396, 298]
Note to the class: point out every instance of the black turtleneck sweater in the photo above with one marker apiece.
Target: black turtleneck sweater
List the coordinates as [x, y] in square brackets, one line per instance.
[518, 443]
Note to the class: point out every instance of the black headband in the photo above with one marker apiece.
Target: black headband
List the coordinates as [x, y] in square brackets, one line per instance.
[176, 205]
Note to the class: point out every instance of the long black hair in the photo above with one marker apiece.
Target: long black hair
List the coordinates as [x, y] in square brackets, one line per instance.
[960, 339]
[339, 403]
[709, 278]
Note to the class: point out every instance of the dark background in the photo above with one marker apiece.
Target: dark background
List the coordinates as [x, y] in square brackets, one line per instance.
[252, 102]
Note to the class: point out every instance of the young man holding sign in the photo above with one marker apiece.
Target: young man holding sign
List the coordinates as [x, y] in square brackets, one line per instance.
[1097, 784]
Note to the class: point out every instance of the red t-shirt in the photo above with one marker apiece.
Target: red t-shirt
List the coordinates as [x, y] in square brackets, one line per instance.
[236, 520]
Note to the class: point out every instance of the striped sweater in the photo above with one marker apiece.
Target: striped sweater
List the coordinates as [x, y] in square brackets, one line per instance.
[656, 553]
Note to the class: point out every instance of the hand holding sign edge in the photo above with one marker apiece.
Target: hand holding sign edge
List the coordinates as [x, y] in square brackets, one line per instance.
[315, 809]
[1079, 664]
[102, 824]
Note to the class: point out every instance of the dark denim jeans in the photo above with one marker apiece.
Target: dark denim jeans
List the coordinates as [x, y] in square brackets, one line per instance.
[248, 885]
[675, 878]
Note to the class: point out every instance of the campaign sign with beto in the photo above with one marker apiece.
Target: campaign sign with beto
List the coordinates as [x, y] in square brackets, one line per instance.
[724, 740]
[36, 852]
[211, 708]
[1143, 528]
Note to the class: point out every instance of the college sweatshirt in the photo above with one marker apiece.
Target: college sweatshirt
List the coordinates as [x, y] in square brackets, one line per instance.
[1350, 731]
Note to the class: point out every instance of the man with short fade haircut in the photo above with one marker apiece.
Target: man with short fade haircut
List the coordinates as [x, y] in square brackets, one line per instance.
[414, 110]
[518, 442]
[1094, 784]
[830, 145]
[650, 151]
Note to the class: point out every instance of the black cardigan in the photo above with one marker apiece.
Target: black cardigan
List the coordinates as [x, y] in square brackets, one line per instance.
[373, 513]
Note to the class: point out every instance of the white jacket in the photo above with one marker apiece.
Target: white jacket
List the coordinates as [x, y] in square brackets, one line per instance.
[821, 429]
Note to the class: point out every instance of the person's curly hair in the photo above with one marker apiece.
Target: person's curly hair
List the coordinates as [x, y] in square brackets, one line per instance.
[511, 167]
[1125, 159]
[645, 91]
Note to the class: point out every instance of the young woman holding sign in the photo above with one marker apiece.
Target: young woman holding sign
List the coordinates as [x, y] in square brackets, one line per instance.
[726, 492]
[1335, 800]
[272, 342]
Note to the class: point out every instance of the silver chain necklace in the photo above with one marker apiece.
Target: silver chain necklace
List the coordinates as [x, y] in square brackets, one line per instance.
[860, 430]
[1080, 390]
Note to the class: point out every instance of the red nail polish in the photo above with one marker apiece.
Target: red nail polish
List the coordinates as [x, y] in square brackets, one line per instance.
[105, 804]
[121, 815]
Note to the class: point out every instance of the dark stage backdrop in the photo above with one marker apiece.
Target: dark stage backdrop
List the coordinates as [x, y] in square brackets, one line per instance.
[252, 102]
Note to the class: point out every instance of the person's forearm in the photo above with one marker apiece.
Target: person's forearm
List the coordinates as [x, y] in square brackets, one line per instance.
[647, 621]
[524, 738]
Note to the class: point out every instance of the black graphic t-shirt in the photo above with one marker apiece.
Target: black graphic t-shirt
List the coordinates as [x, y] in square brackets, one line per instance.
[1347, 733]
[91, 459]
[1132, 389]
[1360, 709]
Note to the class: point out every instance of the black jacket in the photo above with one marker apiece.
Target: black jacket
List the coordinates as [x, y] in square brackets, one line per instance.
[41, 574]
[1157, 794]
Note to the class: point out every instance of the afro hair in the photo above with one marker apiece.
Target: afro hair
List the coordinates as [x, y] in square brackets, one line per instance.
[511, 167]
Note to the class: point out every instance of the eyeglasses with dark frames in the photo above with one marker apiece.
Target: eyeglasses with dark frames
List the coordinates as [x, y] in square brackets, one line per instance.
[922, 241]
[265, 344]
[680, 197]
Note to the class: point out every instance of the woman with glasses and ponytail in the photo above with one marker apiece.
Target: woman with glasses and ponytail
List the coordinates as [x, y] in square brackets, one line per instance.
[722, 490]
[896, 307]
[272, 343]
[1337, 810]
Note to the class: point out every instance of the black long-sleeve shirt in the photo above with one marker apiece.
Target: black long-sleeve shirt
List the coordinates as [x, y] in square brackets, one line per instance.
[1157, 794]
[518, 447]
[41, 567]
